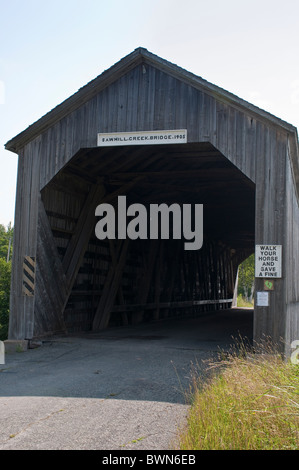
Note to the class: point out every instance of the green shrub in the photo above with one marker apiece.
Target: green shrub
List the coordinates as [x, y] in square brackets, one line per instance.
[5, 275]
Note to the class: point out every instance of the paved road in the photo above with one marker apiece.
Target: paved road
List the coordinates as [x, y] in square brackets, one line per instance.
[121, 389]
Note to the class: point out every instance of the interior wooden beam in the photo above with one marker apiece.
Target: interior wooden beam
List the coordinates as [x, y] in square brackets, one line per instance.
[167, 305]
[146, 279]
[120, 295]
[62, 187]
[226, 172]
[102, 315]
[99, 162]
[80, 173]
[77, 245]
[51, 283]
[84, 227]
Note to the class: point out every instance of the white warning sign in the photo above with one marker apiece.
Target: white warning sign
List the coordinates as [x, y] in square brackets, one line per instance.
[267, 260]
[262, 299]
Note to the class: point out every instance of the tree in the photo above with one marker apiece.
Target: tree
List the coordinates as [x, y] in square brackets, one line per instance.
[6, 236]
[5, 274]
[246, 278]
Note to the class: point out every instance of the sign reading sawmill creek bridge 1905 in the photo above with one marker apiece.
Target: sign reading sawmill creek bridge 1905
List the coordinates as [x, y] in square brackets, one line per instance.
[177, 136]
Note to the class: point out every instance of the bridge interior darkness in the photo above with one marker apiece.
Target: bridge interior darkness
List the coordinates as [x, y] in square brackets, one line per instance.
[118, 282]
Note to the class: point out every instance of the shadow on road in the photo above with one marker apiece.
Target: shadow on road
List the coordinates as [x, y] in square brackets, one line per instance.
[149, 362]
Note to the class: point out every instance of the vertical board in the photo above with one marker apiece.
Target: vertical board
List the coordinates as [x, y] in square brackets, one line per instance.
[25, 237]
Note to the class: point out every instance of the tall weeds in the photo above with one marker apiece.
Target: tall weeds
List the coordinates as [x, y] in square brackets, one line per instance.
[250, 402]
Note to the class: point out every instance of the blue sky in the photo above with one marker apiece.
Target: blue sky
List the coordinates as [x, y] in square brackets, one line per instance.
[48, 50]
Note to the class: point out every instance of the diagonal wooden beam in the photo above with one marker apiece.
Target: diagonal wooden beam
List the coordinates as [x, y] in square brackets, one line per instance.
[111, 287]
[120, 295]
[78, 243]
[51, 285]
[46, 231]
[122, 189]
[85, 225]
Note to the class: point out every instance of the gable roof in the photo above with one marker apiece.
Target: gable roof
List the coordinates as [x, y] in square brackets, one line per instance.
[138, 56]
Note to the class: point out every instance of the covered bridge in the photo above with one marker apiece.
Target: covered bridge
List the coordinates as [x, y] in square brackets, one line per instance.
[187, 142]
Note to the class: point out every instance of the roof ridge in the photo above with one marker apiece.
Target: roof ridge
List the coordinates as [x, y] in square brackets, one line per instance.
[111, 74]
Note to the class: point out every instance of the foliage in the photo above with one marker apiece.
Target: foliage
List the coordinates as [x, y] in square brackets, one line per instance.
[246, 279]
[243, 303]
[6, 235]
[251, 403]
[5, 274]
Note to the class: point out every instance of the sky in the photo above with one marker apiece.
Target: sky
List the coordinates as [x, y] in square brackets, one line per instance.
[48, 50]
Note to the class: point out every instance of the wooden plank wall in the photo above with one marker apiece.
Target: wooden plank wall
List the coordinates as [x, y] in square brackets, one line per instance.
[25, 239]
[144, 99]
[271, 227]
[291, 263]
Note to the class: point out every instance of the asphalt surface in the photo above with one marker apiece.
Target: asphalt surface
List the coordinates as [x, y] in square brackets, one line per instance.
[122, 389]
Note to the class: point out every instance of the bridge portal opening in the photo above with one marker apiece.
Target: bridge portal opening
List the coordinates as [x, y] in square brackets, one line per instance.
[124, 282]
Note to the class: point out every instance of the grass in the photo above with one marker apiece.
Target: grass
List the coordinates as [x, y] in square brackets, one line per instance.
[241, 302]
[251, 402]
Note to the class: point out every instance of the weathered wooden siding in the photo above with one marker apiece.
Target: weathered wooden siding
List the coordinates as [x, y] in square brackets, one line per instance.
[291, 261]
[25, 239]
[149, 99]
[270, 225]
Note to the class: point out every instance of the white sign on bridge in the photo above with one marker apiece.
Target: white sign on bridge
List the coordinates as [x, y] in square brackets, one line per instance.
[267, 260]
[177, 136]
